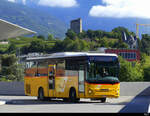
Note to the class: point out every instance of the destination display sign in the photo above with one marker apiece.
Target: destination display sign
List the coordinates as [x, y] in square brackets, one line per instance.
[102, 58]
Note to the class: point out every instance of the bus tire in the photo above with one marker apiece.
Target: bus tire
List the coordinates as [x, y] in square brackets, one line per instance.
[103, 100]
[72, 95]
[40, 94]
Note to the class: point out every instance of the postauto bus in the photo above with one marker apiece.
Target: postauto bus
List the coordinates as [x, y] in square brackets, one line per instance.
[73, 75]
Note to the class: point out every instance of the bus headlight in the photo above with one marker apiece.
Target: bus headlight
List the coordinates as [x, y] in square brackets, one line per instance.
[117, 91]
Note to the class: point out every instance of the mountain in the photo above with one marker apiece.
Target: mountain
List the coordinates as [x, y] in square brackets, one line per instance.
[54, 16]
[89, 22]
[32, 18]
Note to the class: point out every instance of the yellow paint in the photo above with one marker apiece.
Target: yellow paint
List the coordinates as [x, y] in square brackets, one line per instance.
[35, 83]
[63, 85]
[102, 90]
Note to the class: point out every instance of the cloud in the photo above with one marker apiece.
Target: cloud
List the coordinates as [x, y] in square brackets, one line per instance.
[58, 3]
[18, 1]
[122, 9]
[24, 2]
[12, 0]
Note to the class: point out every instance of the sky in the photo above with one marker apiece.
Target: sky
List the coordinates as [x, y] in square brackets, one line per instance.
[58, 3]
[52, 3]
[122, 9]
[105, 8]
[98, 14]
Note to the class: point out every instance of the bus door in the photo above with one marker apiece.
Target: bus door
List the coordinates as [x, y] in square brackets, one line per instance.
[51, 79]
[81, 87]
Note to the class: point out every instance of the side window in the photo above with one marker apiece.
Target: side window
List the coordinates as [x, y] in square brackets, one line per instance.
[60, 68]
[129, 55]
[31, 64]
[134, 55]
[42, 69]
[31, 68]
[72, 64]
[123, 54]
[126, 55]
[61, 65]
[28, 65]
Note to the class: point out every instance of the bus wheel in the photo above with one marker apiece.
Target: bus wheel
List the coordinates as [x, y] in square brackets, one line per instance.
[103, 100]
[72, 95]
[40, 94]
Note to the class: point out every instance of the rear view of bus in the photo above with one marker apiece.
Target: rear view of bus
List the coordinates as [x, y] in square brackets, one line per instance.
[102, 77]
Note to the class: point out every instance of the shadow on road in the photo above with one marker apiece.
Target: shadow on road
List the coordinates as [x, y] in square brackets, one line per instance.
[139, 104]
[35, 102]
[57, 101]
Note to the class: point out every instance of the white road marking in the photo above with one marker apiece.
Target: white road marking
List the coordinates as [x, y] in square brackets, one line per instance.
[2, 102]
[149, 108]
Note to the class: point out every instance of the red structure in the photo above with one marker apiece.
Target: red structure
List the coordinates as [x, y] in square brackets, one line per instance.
[128, 54]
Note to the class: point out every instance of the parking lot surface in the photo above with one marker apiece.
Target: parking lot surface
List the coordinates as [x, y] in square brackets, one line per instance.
[21, 104]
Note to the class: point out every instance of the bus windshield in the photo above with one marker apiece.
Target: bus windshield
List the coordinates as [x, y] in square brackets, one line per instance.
[105, 72]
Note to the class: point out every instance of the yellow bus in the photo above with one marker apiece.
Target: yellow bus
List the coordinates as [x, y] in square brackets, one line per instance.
[73, 75]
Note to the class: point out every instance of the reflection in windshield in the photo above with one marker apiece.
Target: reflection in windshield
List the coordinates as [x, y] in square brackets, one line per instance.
[101, 70]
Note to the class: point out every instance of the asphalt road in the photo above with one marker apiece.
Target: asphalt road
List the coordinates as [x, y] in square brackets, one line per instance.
[23, 104]
[140, 104]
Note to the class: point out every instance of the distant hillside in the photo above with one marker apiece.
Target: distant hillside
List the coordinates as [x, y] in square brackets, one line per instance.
[41, 22]
[94, 23]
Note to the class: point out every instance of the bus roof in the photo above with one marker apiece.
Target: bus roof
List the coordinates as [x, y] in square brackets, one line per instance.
[70, 54]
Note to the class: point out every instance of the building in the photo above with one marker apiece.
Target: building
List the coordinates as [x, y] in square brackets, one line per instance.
[131, 54]
[76, 25]
[128, 54]
[10, 30]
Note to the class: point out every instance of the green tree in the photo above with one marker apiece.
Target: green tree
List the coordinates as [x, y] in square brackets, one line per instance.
[103, 42]
[41, 37]
[85, 46]
[37, 46]
[10, 69]
[8, 60]
[71, 34]
[146, 71]
[119, 30]
[82, 35]
[25, 49]
[90, 34]
[50, 37]
[130, 71]
[71, 45]
[120, 44]
[12, 48]
[145, 65]
[145, 42]
[99, 34]
[58, 47]
[68, 44]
